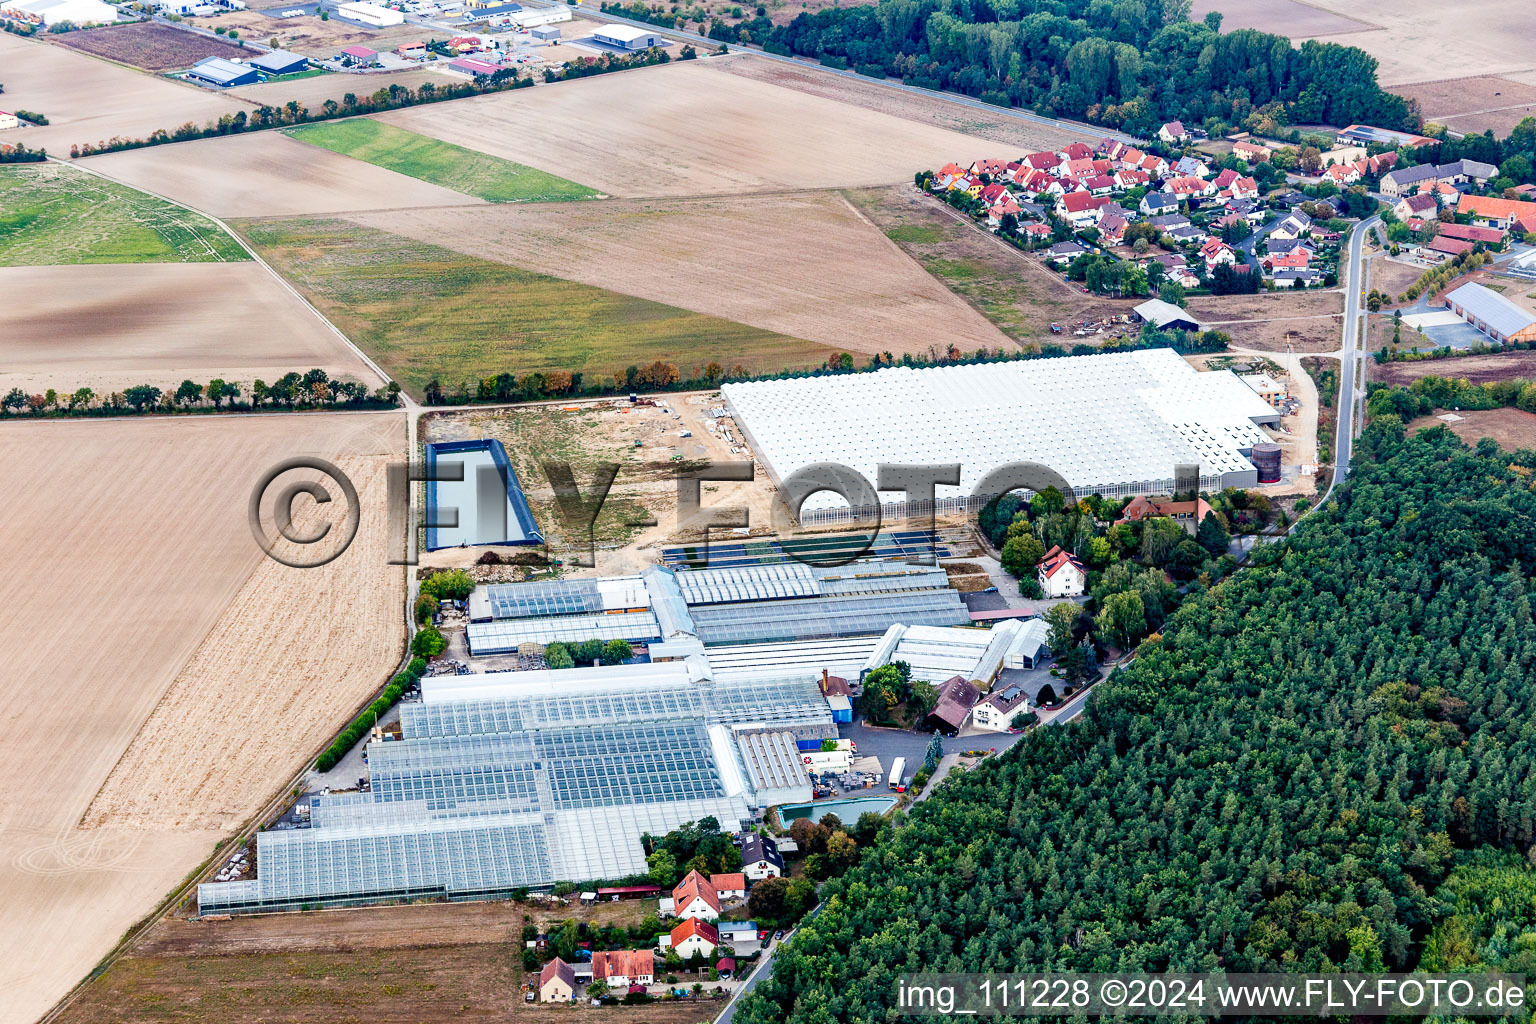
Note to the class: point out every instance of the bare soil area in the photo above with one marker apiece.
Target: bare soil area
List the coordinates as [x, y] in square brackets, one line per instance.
[312, 92]
[805, 265]
[1487, 37]
[87, 100]
[689, 129]
[269, 174]
[139, 528]
[1292, 18]
[153, 46]
[1307, 321]
[1494, 366]
[108, 327]
[1393, 278]
[1511, 428]
[308, 34]
[1019, 135]
[1474, 105]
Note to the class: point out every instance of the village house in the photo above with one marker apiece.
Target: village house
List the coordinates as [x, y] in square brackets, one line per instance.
[999, 709]
[1173, 133]
[1188, 514]
[1154, 203]
[1342, 174]
[1216, 252]
[624, 967]
[730, 886]
[1081, 209]
[1112, 230]
[956, 698]
[557, 982]
[1416, 206]
[695, 897]
[694, 937]
[1489, 211]
[1192, 166]
[1251, 152]
[1061, 574]
[1293, 226]
[760, 858]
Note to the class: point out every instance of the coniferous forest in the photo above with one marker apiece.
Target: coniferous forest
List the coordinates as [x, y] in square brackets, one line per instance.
[1327, 758]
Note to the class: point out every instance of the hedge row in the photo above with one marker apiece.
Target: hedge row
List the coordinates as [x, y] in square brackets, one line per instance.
[371, 714]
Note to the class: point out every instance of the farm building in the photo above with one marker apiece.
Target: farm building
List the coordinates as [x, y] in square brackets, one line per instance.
[1116, 424]
[1165, 316]
[1492, 313]
[1364, 135]
[279, 62]
[54, 12]
[473, 67]
[483, 505]
[628, 37]
[370, 14]
[223, 73]
[8, 120]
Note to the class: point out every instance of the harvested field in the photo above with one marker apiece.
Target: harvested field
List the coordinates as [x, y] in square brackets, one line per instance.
[1309, 321]
[688, 129]
[268, 174]
[108, 328]
[1023, 136]
[399, 965]
[1282, 17]
[308, 34]
[1478, 369]
[1511, 428]
[1393, 277]
[137, 583]
[1491, 37]
[1008, 287]
[52, 214]
[1474, 105]
[423, 311]
[804, 265]
[86, 100]
[153, 46]
[463, 170]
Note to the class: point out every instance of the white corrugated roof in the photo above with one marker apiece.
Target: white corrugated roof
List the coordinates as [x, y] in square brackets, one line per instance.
[1104, 422]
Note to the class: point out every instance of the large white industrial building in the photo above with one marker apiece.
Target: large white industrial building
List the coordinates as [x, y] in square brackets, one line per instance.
[54, 12]
[1116, 424]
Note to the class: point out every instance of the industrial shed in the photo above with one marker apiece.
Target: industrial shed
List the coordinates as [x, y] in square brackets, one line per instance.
[279, 62]
[774, 769]
[1165, 316]
[1492, 313]
[223, 73]
[473, 497]
[1116, 424]
[628, 37]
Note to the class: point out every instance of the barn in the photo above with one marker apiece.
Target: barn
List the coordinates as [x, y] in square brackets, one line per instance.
[627, 37]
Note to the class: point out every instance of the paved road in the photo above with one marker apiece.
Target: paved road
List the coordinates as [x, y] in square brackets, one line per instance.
[1351, 395]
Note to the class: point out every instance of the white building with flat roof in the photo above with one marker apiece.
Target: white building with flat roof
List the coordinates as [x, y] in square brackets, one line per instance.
[1115, 424]
[371, 14]
[628, 37]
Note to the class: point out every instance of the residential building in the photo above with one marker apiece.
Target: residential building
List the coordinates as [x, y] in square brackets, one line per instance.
[1192, 166]
[694, 937]
[1489, 211]
[1492, 313]
[1188, 514]
[1064, 252]
[1297, 277]
[1342, 174]
[557, 982]
[1416, 206]
[695, 897]
[760, 858]
[956, 698]
[730, 886]
[1293, 226]
[1112, 230]
[1155, 203]
[621, 968]
[998, 710]
[1251, 152]
[1173, 133]
[1216, 252]
[1080, 209]
[1061, 574]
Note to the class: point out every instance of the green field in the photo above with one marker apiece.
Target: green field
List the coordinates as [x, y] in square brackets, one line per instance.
[423, 311]
[475, 174]
[51, 214]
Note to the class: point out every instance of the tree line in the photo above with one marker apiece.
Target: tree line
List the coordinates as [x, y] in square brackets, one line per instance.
[293, 112]
[1324, 762]
[292, 391]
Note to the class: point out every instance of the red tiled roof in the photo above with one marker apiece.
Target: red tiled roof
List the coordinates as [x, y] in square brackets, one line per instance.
[728, 883]
[695, 885]
[693, 926]
[623, 963]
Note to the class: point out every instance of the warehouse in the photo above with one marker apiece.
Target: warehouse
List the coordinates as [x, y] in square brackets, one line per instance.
[628, 37]
[223, 73]
[1165, 316]
[370, 14]
[978, 655]
[1492, 313]
[774, 769]
[539, 16]
[1117, 424]
[473, 497]
[279, 62]
[55, 12]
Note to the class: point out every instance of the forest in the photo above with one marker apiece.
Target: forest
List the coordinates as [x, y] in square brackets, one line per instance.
[1324, 761]
[1129, 64]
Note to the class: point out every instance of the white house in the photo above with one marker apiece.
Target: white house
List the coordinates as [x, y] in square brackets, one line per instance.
[1295, 225]
[730, 887]
[1061, 574]
[997, 711]
[694, 936]
[557, 982]
[622, 968]
[760, 858]
[695, 898]
[1173, 132]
